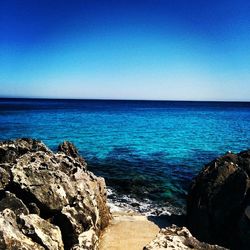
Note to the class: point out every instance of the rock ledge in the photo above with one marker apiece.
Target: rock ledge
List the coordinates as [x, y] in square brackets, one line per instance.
[49, 200]
[178, 238]
[218, 207]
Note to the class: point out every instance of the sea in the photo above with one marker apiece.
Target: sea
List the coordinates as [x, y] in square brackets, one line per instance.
[147, 151]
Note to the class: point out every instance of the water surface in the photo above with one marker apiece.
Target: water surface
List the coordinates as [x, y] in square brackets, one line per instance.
[148, 150]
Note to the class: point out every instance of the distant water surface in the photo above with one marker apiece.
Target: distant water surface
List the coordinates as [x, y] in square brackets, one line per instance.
[147, 150]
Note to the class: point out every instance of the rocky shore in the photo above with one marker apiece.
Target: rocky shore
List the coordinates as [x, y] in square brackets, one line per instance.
[218, 206]
[49, 200]
[178, 238]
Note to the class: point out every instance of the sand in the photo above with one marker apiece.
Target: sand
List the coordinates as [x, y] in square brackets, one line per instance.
[128, 232]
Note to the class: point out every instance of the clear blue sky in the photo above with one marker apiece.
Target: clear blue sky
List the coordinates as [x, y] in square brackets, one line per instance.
[148, 49]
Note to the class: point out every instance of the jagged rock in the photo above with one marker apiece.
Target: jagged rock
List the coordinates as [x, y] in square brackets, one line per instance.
[218, 199]
[11, 150]
[41, 231]
[4, 176]
[69, 149]
[33, 208]
[178, 238]
[10, 201]
[40, 174]
[87, 240]
[11, 238]
[57, 189]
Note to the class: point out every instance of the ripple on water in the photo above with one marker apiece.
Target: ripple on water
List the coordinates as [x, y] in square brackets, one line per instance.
[147, 151]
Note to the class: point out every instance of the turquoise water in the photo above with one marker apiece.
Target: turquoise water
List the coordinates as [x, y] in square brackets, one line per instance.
[147, 150]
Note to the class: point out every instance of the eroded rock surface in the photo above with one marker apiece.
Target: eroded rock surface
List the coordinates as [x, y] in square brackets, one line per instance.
[218, 202]
[52, 201]
[41, 231]
[178, 238]
[10, 235]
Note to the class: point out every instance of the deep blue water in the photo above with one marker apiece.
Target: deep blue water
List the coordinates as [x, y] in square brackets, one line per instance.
[147, 149]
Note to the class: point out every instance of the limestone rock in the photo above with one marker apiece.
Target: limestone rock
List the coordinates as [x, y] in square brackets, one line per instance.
[178, 238]
[55, 199]
[10, 201]
[41, 231]
[11, 150]
[218, 199]
[87, 240]
[40, 174]
[5, 176]
[11, 238]
[69, 149]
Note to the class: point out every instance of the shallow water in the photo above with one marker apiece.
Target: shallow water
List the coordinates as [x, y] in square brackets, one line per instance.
[146, 150]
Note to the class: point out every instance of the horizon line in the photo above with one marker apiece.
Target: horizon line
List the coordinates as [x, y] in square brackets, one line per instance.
[116, 99]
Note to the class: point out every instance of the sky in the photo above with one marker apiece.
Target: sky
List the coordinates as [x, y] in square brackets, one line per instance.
[140, 49]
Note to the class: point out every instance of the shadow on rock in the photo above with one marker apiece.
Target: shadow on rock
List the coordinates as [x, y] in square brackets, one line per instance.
[163, 221]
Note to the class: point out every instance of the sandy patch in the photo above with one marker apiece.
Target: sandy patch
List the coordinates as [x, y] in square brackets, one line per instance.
[128, 231]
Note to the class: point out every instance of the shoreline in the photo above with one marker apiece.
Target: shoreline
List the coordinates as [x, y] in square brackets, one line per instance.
[68, 208]
[146, 207]
[131, 230]
[121, 231]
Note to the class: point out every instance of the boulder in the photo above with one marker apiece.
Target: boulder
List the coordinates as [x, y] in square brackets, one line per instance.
[5, 176]
[11, 150]
[10, 201]
[218, 199]
[57, 202]
[178, 238]
[41, 231]
[11, 237]
[69, 149]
